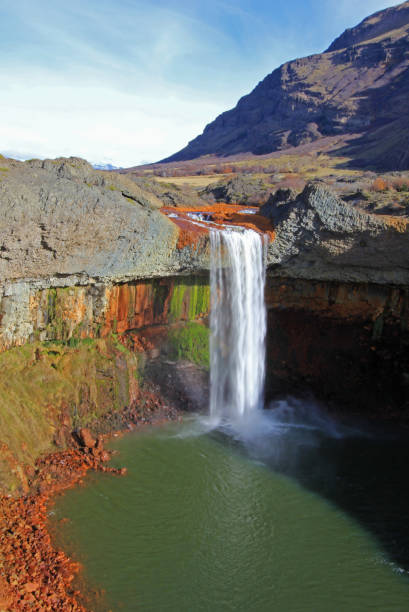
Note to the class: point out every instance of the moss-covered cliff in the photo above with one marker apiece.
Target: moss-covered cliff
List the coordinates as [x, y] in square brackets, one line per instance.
[84, 357]
[49, 389]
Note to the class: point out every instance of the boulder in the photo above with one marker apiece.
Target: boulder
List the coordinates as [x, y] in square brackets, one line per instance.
[86, 438]
[241, 189]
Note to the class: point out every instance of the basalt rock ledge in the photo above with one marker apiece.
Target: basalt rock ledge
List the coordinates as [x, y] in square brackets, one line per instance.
[320, 237]
[60, 218]
[64, 224]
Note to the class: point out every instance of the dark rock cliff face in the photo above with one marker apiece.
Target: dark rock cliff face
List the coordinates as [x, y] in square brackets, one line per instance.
[338, 304]
[344, 343]
[360, 85]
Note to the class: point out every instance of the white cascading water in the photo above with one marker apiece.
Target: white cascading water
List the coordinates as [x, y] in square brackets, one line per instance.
[237, 323]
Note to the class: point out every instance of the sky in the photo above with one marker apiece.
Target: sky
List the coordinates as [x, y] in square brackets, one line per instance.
[132, 81]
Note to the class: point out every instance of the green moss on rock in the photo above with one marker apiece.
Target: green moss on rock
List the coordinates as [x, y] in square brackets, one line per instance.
[190, 300]
[45, 385]
[190, 342]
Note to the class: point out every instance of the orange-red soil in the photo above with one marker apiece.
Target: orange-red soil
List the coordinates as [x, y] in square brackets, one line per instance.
[34, 576]
[220, 215]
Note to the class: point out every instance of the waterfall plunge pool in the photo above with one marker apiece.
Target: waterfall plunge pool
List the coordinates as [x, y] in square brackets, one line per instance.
[216, 521]
[251, 511]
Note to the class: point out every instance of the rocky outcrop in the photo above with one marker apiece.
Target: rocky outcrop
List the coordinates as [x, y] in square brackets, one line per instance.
[280, 197]
[338, 304]
[358, 86]
[241, 189]
[62, 221]
[320, 237]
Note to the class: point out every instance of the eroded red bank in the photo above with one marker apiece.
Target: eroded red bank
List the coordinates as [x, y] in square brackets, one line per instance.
[34, 576]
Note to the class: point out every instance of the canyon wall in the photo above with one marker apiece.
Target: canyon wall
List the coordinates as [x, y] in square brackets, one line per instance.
[101, 293]
[98, 309]
[81, 361]
[344, 343]
[92, 349]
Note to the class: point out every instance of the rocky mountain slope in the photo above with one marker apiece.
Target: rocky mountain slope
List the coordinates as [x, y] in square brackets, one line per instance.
[359, 86]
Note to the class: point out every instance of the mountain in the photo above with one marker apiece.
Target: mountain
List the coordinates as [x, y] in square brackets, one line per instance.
[108, 167]
[359, 86]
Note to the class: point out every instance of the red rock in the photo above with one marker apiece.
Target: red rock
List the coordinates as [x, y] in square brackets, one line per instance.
[86, 438]
[35, 576]
[30, 587]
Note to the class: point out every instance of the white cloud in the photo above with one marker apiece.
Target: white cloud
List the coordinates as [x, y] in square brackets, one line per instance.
[124, 97]
[128, 80]
[97, 122]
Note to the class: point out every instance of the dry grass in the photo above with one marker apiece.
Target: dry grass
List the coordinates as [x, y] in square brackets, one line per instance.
[303, 166]
[382, 193]
[192, 181]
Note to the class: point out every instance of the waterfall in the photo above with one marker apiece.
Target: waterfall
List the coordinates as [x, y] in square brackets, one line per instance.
[237, 323]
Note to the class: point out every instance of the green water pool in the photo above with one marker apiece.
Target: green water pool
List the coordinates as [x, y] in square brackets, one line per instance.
[199, 524]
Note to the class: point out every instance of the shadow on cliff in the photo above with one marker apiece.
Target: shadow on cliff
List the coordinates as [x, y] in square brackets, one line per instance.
[385, 145]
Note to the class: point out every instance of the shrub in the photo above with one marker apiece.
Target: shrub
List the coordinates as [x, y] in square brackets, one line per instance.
[379, 185]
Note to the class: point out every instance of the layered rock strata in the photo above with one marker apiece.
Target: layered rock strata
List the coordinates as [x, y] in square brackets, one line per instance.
[357, 87]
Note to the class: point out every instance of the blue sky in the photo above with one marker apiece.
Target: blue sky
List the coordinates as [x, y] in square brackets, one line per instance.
[129, 81]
